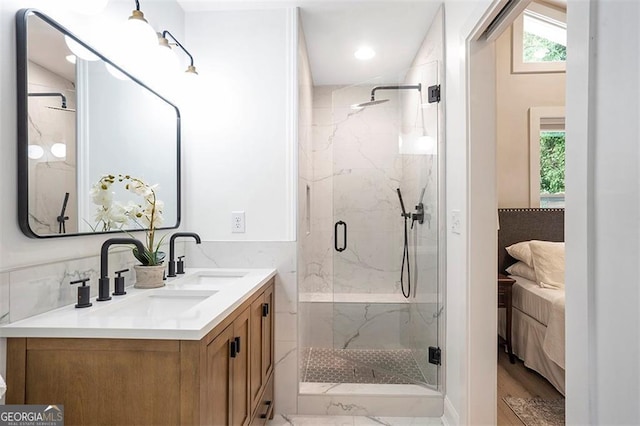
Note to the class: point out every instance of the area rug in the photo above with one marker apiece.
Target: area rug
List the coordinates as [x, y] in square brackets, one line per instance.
[537, 411]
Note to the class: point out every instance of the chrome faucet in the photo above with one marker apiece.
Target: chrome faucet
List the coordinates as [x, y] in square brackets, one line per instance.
[172, 243]
[103, 282]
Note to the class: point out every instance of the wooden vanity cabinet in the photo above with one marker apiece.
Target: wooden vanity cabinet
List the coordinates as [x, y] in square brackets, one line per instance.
[262, 326]
[227, 375]
[224, 379]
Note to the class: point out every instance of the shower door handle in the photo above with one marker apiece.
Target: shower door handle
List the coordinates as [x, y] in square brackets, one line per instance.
[335, 236]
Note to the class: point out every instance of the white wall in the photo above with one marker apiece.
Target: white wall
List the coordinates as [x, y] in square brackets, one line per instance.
[602, 227]
[240, 140]
[515, 94]
[460, 405]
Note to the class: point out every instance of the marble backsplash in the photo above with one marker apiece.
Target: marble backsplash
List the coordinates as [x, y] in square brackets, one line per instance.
[29, 291]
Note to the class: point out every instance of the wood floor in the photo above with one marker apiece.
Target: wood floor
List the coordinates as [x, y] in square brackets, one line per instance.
[517, 380]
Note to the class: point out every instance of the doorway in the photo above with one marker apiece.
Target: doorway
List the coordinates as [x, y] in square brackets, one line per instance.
[483, 195]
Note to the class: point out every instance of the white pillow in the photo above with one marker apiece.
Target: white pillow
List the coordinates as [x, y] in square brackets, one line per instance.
[548, 263]
[520, 269]
[521, 252]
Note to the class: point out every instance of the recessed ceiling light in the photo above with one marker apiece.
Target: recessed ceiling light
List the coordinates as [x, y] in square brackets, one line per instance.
[35, 152]
[59, 150]
[364, 53]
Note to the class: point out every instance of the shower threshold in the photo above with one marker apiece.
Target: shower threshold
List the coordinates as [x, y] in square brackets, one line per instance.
[333, 383]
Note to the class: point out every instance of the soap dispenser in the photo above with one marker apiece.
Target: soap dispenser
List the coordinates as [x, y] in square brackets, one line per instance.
[84, 293]
[119, 283]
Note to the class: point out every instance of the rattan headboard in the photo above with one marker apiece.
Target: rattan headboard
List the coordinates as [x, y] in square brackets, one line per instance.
[527, 224]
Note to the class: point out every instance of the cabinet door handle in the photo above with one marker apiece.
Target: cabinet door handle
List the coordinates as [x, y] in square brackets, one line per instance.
[232, 349]
[335, 236]
[237, 341]
[265, 309]
[268, 404]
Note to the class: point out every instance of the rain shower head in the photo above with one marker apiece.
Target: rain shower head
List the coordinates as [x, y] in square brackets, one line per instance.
[63, 108]
[369, 103]
[63, 100]
[373, 100]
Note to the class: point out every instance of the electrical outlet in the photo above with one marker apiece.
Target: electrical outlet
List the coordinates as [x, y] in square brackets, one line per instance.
[237, 222]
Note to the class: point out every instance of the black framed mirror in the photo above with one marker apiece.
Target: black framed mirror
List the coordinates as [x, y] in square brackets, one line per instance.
[80, 117]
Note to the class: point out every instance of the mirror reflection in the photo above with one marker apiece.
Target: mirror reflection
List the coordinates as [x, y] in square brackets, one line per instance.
[82, 118]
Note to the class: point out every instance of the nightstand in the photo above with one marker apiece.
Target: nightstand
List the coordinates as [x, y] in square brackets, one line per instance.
[505, 285]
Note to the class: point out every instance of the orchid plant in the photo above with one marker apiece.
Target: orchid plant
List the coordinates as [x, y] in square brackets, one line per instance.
[112, 214]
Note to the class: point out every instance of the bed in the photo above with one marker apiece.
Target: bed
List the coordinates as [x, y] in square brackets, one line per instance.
[538, 313]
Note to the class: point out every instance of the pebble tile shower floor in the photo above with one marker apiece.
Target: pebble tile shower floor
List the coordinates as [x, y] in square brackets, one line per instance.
[373, 366]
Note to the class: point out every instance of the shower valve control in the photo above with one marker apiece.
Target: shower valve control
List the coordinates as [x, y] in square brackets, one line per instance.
[418, 215]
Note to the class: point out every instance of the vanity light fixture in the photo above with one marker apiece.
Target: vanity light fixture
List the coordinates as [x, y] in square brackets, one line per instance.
[164, 43]
[138, 30]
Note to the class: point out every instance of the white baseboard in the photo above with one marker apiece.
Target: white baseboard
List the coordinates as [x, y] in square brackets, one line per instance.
[450, 416]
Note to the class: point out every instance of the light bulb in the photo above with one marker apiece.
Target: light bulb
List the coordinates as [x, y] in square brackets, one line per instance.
[79, 50]
[138, 33]
[59, 150]
[86, 7]
[166, 59]
[35, 152]
[115, 72]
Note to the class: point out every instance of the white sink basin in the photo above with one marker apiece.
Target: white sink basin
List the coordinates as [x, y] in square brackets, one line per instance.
[160, 304]
[215, 280]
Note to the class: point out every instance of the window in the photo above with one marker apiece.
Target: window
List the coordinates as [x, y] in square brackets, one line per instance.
[539, 40]
[552, 168]
[547, 156]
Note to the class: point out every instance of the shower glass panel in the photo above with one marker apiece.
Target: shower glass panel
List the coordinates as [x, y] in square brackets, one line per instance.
[379, 335]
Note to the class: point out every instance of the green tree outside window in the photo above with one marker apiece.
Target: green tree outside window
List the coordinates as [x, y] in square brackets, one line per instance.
[532, 44]
[552, 145]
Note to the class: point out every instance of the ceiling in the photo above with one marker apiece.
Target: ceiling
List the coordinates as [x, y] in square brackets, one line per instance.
[334, 30]
[48, 49]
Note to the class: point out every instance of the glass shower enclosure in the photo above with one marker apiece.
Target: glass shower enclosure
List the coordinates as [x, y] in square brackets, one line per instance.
[381, 249]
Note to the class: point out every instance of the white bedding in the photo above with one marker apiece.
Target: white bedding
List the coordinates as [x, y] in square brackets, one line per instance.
[532, 299]
[538, 329]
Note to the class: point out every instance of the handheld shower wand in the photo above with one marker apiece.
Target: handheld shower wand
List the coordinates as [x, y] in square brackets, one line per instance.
[405, 251]
[404, 211]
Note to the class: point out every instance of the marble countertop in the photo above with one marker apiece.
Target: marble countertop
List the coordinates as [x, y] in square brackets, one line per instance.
[187, 308]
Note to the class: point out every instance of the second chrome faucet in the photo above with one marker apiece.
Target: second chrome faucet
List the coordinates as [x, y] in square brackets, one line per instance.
[172, 243]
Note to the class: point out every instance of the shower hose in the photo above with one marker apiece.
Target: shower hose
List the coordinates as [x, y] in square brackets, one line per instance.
[405, 261]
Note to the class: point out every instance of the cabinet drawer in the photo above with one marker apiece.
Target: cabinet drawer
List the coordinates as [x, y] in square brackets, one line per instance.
[265, 407]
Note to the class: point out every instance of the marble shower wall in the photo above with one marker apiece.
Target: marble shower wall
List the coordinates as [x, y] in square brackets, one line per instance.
[357, 166]
[356, 170]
